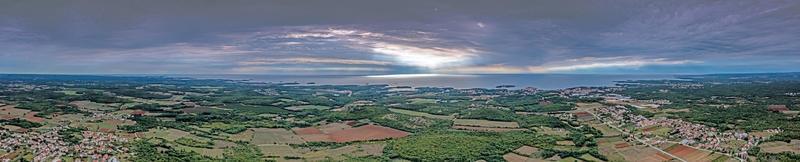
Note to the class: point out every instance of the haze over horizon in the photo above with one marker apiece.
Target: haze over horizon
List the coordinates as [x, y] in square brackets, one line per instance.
[366, 37]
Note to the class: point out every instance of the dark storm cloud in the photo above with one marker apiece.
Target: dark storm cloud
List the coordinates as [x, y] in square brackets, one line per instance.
[369, 36]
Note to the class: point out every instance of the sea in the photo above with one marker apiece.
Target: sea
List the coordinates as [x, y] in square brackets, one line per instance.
[541, 81]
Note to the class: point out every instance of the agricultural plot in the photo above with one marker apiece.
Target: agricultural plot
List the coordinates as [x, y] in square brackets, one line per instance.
[422, 114]
[526, 150]
[311, 134]
[333, 127]
[513, 157]
[109, 125]
[606, 130]
[171, 134]
[246, 135]
[657, 130]
[615, 149]
[366, 133]
[217, 153]
[485, 123]
[274, 136]
[588, 157]
[342, 153]
[780, 146]
[11, 112]
[270, 150]
[94, 106]
[691, 154]
[643, 153]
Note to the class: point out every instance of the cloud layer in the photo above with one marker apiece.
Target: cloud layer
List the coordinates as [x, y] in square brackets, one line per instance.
[367, 37]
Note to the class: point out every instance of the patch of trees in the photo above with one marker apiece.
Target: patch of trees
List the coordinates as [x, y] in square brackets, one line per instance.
[21, 123]
[463, 146]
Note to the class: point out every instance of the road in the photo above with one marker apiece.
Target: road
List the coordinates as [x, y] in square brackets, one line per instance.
[651, 146]
[636, 138]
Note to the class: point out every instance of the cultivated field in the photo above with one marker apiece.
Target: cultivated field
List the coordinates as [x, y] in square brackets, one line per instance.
[616, 149]
[94, 106]
[606, 130]
[311, 134]
[246, 135]
[341, 153]
[11, 112]
[694, 155]
[526, 150]
[271, 150]
[780, 146]
[274, 136]
[366, 133]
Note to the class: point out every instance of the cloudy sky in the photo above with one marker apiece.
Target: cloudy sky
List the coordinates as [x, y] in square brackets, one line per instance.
[391, 37]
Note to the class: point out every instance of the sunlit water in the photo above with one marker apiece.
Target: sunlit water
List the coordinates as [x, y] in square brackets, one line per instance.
[542, 81]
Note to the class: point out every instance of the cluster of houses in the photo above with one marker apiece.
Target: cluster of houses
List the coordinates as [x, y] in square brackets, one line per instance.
[49, 145]
[687, 133]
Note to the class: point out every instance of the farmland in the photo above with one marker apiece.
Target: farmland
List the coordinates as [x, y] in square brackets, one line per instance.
[183, 119]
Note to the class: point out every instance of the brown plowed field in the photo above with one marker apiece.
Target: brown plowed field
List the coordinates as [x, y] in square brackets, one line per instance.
[366, 133]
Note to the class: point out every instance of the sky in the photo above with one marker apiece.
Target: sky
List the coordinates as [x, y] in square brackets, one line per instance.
[357, 37]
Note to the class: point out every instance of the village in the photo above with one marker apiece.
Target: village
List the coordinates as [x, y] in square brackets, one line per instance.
[660, 130]
[49, 145]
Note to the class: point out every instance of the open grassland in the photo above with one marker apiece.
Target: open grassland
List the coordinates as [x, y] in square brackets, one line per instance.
[780, 146]
[485, 123]
[172, 134]
[274, 136]
[422, 114]
[11, 112]
[606, 130]
[246, 135]
[279, 150]
[216, 153]
[343, 153]
[94, 106]
[527, 150]
[513, 157]
[108, 125]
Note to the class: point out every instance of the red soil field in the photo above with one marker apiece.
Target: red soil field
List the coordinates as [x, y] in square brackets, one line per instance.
[31, 117]
[688, 153]
[307, 131]
[316, 138]
[366, 133]
[622, 145]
